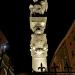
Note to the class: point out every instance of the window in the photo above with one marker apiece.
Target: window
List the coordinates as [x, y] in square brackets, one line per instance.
[72, 52]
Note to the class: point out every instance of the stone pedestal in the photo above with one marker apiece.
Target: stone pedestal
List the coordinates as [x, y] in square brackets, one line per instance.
[39, 64]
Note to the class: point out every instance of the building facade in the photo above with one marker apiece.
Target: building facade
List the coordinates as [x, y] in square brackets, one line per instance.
[64, 57]
[5, 60]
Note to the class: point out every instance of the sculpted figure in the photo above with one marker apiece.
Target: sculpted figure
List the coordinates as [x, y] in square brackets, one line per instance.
[39, 45]
[39, 8]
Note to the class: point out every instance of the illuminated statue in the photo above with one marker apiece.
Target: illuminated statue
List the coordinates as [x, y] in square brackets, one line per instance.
[39, 8]
[38, 43]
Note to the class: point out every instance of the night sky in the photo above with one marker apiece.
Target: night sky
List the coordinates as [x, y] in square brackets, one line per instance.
[15, 26]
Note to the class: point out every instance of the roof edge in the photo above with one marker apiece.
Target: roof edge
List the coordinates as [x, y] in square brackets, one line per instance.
[66, 36]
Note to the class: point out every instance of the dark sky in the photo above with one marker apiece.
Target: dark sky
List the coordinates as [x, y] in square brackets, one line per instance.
[15, 25]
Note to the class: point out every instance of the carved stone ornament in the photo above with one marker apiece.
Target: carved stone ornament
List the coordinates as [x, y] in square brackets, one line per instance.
[38, 24]
[39, 8]
[38, 45]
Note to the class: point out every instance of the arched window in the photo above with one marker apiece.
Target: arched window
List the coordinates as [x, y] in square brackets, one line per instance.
[67, 67]
[73, 54]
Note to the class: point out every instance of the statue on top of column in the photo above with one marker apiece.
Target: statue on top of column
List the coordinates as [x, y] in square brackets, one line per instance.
[39, 8]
